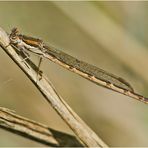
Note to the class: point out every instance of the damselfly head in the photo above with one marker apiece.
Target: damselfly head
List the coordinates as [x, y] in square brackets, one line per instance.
[14, 35]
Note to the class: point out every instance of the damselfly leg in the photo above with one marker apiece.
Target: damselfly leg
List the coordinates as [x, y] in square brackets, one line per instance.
[39, 72]
[19, 51]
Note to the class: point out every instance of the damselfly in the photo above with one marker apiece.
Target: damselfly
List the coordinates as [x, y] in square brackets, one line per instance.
[90, 72]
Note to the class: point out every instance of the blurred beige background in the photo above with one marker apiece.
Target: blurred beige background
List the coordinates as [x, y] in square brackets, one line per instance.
[110, 35]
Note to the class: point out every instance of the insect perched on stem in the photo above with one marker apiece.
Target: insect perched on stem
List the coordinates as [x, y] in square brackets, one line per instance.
[90, 72]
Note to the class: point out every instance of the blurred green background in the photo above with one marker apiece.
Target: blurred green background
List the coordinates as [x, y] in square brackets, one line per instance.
[110, 35]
